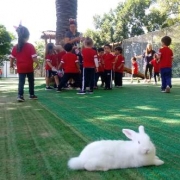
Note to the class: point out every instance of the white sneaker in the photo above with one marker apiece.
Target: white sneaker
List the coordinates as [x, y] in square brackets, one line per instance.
[167, 90]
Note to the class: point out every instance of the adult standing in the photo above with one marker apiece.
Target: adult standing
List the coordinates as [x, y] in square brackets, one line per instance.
[148, 57]
[72, 36]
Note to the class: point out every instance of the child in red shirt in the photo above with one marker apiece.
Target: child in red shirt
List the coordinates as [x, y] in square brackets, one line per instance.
[165, 63]
[25, 55]
[71, 67]
[60, 53]
[90, 62]
[118, 67]
[134, 69]
[108, 59]
[100, 72]
[51, 65]
[155, 64]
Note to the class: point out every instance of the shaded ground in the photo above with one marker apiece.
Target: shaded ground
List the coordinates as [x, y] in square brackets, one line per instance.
[38, 137]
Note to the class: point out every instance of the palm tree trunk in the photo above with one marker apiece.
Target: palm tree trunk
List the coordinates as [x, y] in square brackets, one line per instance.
[65, 9]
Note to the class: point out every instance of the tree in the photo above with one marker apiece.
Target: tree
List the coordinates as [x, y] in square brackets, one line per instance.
[171, 8]
[133, 16]
[127, 20]
[5, 43]
[155, 20]
[136, 17]
[65, 9]
[40, 48]
[95, 35]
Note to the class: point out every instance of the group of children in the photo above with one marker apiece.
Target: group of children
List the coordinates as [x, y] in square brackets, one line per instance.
[85, 72]
[83, 66]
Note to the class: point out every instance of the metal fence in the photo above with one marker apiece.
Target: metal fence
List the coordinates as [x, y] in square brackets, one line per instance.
[137, 45]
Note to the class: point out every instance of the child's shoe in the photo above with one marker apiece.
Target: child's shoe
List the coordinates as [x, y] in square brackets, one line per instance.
[49, 88]
[155, 83]
[33, 97]
[81, 92]
[20, 99]
[58, 90]
[90, 92]
[167, 90]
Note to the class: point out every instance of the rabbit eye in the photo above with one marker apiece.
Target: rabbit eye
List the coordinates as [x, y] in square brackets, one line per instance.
[138, 142]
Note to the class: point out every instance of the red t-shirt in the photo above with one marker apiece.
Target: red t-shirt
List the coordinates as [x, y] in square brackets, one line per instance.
[60, 55]
[88, 57]
[24, 59]
[134, 67]
[119, 61]
[108, 61]
[155, 65]
[69, 61]
[52, 58]
[166, 57]
[101, 64]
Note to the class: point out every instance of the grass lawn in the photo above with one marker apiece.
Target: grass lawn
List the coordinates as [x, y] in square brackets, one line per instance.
[38, 137]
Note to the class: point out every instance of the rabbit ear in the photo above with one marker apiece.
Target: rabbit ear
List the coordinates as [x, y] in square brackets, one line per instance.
[129, 133]
[141, 129]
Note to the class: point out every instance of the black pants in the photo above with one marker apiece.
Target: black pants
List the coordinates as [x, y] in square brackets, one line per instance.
[67, 76]
[22, 78]
[118, 79]
[108, 79]
[148, 67]
[88, 78]
[97, 75]
[156, 74]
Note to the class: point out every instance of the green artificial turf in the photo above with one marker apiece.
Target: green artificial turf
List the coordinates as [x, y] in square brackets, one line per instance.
[37, 138]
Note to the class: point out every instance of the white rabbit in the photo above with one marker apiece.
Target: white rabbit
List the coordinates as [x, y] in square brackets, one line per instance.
[114, 154]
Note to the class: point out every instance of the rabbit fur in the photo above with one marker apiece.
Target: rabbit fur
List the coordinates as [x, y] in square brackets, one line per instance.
[104, 155]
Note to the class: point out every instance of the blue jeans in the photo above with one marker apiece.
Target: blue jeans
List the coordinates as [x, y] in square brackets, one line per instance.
[22, 77]
[166, 74]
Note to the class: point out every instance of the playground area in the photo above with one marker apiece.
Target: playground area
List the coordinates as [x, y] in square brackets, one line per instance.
[38, 137]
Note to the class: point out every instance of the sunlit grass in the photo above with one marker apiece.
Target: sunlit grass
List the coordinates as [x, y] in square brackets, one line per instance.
[38, 137]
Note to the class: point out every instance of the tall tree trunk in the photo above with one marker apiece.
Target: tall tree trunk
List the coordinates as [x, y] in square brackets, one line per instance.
[65, 9]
